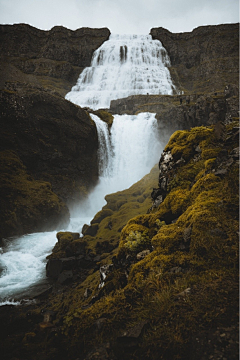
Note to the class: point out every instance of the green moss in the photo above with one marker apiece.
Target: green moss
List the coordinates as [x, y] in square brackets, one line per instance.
[104, 116]
[32, 202]
[197, 251]
[101, 215]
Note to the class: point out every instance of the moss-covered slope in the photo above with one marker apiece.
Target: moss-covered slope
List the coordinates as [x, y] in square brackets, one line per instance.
[170, 289]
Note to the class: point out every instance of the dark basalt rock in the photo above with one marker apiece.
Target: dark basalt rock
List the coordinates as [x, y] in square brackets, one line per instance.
[206, 50]
[55, 57]
[55, 140]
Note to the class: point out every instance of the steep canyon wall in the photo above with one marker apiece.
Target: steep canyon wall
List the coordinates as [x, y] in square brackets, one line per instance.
[46, 141]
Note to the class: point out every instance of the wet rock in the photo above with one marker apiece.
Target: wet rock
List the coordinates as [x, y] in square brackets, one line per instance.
[54, 267]
[62, 235]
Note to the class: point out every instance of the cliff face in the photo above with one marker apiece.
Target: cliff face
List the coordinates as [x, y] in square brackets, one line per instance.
[205, 59]
[55, 140]
[55, 57]
[50, 139]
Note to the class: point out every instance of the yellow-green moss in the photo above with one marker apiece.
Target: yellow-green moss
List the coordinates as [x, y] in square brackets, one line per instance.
[104, 116]
[198, 251]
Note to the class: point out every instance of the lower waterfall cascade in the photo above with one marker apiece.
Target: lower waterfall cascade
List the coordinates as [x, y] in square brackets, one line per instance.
[126, 154]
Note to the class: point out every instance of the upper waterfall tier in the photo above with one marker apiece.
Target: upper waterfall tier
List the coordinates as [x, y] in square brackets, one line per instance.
[124, 65]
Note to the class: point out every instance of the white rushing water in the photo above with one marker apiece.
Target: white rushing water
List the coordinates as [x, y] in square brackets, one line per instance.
[23, 263]
[124, 65]
[128, 153]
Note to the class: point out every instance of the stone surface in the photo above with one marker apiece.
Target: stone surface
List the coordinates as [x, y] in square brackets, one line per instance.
[55, 140]
[55, 58]
[204, 59]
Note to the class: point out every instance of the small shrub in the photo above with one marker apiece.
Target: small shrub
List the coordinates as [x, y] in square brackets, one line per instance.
[137, 241]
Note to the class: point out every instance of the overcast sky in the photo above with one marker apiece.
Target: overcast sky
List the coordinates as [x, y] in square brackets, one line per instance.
[120, 16]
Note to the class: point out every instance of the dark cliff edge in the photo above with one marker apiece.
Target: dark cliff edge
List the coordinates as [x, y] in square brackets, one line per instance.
[204, 60]
[53, 59]
[46, 141]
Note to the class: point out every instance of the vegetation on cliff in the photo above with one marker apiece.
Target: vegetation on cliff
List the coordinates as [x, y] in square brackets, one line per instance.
[170, 289]
[27, 205]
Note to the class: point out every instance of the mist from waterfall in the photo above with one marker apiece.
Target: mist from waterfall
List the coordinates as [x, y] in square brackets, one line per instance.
[128, 151]
[124, 65]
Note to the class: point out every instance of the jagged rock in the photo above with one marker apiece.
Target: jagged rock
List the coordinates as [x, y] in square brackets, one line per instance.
[104, 271]
[65, 277]
[142, 254]
[99, 353]
[191, 50]
[61, 236]
[59, 54]
[235, 153]
[55, 267]
[90, 230]
[129, 340]
[221, 172]
[87, 293]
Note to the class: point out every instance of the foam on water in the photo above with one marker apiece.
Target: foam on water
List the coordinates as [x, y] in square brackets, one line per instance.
[130, 150]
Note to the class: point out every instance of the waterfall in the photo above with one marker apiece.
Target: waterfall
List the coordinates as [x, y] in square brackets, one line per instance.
[124, 65]
[129, 151]
[104, 146]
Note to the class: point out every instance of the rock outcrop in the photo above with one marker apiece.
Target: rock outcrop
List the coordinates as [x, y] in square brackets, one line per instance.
[54, 139]
[53, 59]
[182, 111]
[204, 60]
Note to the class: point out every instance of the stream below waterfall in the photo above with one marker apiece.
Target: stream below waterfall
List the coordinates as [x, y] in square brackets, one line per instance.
[126, 153]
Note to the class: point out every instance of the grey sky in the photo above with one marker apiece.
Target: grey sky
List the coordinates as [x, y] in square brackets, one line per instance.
[120, 16]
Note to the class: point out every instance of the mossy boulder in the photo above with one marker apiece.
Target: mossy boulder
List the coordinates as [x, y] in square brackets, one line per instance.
[27, 205]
